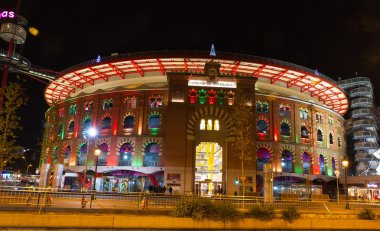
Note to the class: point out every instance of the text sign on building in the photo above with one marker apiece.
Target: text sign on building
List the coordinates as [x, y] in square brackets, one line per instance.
[7, 14]
[203, 83]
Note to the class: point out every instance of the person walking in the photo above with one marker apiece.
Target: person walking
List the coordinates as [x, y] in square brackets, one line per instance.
[144, 203]
[29, 199]
[83, 202]
[170, 190]
[48, 199]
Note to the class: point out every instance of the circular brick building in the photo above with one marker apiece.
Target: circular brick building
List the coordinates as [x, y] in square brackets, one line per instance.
[162, 119]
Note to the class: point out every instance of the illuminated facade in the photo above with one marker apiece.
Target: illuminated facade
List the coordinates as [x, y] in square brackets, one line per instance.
[163, 119]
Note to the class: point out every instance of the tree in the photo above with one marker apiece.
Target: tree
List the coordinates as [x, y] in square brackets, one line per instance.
[14, 98]
[242, 113]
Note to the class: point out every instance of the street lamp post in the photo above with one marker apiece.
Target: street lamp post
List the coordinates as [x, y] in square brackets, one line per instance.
[97, 154]
[91, 132]
[26, 164]
[345, 166]
[27, 169]
[24, 160]
[337, 184]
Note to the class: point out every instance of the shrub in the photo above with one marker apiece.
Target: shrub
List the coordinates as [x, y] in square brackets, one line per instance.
[262, 213]
[290, 214]
[224, 211]
[367, 214]
[203, 209]
[182, 209]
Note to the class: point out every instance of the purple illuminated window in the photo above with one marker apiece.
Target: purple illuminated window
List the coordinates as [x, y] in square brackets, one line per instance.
[305, 163]
[263, 157]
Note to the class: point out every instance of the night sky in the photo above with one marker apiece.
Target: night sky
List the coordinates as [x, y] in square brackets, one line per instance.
[338, 38]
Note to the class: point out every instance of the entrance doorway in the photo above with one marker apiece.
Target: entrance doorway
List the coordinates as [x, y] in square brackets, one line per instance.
[208, 169]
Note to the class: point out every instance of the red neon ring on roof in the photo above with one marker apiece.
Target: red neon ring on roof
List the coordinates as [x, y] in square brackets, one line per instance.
[120, 66]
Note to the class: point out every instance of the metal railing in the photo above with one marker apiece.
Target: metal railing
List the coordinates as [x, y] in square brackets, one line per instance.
[42, 198]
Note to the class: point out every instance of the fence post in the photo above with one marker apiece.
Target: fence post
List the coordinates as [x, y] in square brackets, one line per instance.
[38, 199]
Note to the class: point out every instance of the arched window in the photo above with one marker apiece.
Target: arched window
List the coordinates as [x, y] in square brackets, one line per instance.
[319, 135]
[125, 158]
[202, 96]
[129, 122]
[88, 106]
[285, 129]
[71, 126]
[322, 166]
[287, 161]
[262, 127]
[258, 106]
[202, 126]
[61, 112]
[331, 138]
[66, 156]
[282, 110]
[152, 102]
[159, 101]
[86, 125]
[106, 123]
[304, 114]
[55, 155]
[211, 94]
[59, 130]
[105, 105]
[333, 165]
[209, 124]
[154, 122]
[265, 107]
[287, 111]
[110, 104]
[330, 121]
[130, 102]
[339, 141]
[304, 132]
[102, 159]
[216, 125]
[221, 97]
[81, 161]
[151, 157]
[192, 95]
[306, 163]
[263, 157]
[73, 109]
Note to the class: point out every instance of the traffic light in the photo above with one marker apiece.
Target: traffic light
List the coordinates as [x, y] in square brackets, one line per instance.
[236, 180]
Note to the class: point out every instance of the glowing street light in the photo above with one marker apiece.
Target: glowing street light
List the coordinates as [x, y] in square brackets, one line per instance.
[91, 133]
[345, 166]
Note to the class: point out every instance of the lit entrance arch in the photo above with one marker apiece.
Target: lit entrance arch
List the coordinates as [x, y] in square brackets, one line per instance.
[208, 165]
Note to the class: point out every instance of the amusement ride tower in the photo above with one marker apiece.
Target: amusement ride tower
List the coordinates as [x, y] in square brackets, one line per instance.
[361, 126]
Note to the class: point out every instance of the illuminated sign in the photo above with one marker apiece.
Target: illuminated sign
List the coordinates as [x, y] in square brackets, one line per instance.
[7, 14]
[371, 185]
[203, 83]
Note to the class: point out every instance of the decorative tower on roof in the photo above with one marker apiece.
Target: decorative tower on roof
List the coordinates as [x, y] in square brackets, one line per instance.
[212, 51]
